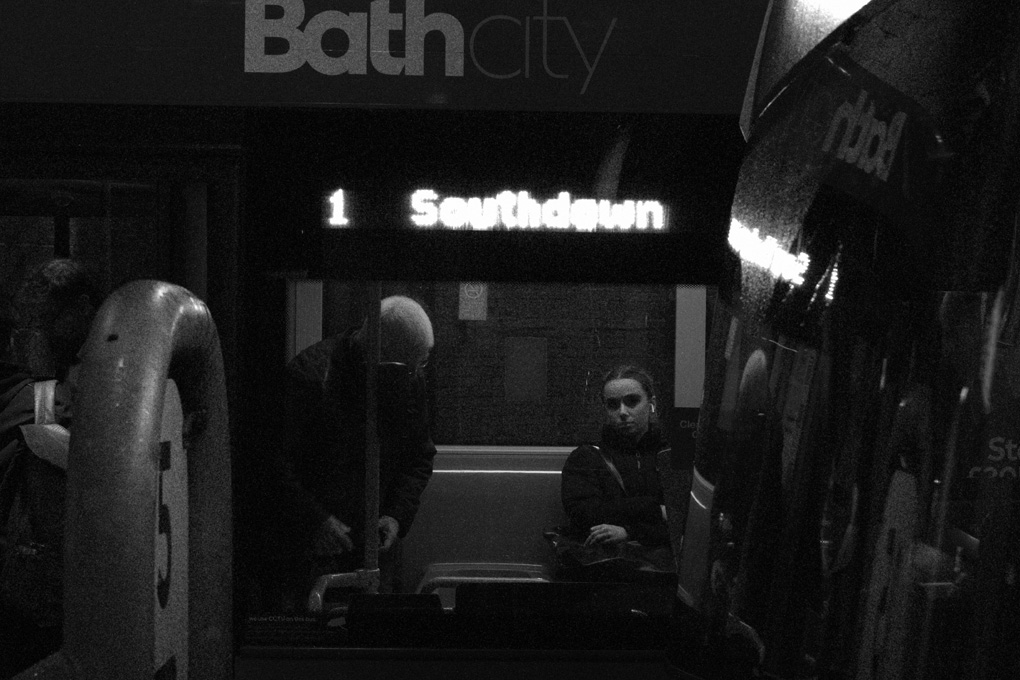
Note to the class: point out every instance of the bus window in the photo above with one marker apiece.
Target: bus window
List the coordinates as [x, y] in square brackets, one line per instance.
[565, 238]
[513, 384]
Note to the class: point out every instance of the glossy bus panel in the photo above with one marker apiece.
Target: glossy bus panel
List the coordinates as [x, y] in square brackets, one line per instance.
[864, 516]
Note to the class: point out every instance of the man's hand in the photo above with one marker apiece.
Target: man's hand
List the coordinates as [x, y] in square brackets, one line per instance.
[388, 530]
[605, 533]
[331, 538]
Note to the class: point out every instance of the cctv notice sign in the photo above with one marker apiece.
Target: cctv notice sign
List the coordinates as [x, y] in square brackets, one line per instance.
[582, 55]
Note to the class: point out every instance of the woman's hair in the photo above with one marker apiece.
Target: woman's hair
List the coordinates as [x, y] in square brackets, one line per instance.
[625, 371]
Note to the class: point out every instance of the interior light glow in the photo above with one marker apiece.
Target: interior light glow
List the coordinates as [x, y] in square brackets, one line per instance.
[767, 253]
[337, 216]
[509, 210]
[829, 13]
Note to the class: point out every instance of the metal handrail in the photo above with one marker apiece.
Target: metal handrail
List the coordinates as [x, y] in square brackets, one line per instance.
[145, 333]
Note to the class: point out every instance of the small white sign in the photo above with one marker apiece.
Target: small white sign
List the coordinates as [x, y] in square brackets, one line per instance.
[474, 302]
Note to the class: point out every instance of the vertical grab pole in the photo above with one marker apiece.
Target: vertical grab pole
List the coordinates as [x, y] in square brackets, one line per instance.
[373, 346]
[368, 576]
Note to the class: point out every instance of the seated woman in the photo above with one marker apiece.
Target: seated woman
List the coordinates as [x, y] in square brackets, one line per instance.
[611, 492]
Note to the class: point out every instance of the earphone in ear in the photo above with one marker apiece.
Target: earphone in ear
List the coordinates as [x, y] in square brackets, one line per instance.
[653, 408]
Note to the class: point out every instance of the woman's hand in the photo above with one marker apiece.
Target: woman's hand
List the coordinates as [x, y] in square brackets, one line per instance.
[606, 533]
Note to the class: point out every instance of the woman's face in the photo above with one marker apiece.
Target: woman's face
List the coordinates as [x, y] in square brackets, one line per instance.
[627, 406]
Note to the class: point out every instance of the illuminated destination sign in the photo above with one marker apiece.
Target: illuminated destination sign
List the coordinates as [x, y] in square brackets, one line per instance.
[337, 210]
[510, 210]
[518, 210]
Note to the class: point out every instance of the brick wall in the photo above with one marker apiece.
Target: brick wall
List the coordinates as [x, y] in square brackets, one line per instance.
[24, 243]
[586, 329]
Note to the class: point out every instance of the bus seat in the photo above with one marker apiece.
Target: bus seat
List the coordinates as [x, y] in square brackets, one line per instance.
[486, 505]
[443, 578]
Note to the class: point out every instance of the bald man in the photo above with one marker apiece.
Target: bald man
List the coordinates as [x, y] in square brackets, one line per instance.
[324, 467]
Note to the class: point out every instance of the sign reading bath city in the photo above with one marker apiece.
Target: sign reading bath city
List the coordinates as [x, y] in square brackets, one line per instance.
[429, 209]
[369, 41]
[586, 55]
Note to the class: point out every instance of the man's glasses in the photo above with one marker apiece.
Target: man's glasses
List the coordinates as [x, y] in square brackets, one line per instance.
[412, 372]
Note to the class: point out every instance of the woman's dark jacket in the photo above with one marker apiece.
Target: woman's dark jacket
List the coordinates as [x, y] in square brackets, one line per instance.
[592, 494]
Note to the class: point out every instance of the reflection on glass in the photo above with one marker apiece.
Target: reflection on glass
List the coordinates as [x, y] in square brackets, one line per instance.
[510, 383]
[865, 513]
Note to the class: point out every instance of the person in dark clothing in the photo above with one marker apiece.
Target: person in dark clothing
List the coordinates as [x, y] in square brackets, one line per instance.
[319, 470]
[611, 492]
[16, 401]
[17, 650]
[55, 306]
